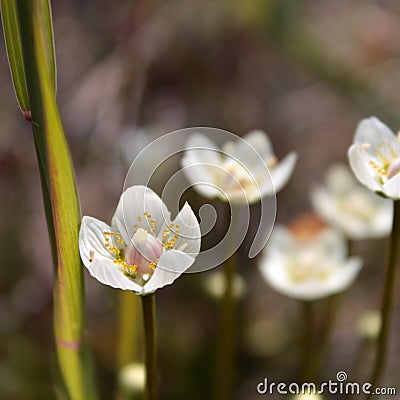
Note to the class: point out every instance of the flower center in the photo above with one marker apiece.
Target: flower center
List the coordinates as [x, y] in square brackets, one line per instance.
[138, 259]
[237, 177]
[388, 164]
[143, 253]
[358, 204]
[306, 266]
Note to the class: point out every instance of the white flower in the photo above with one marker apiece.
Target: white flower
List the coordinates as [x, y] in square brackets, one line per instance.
[351, 208]
[375, 158]
[308, 269]
[132, 378]
[142, 250]
[215, 285]
[239, 170]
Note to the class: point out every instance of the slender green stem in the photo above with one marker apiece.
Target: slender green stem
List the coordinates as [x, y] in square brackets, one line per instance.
[325, 332]
[388, 298]
[307, 354]
[128, 332]
[227, 324]
[149, 323]
[226, 339]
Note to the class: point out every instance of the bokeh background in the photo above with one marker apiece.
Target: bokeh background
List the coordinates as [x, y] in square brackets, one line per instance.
[305, 71]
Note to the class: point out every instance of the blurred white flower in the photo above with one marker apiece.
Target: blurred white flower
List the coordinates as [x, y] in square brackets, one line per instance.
[369, 324]
[375, 158]
[132, 378]
[142, 250]
[239, 170]
[351, 208]
[307, 396]
[308, 269]
[215, 285]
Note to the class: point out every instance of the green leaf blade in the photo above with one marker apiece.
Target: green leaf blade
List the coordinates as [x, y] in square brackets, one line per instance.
[12, 37]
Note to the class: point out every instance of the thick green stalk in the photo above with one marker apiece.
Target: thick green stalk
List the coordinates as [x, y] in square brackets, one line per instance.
[150, 354]
[61, 200]
[388, 298]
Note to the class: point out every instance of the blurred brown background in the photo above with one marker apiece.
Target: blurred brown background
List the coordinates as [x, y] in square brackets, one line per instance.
[304, 71]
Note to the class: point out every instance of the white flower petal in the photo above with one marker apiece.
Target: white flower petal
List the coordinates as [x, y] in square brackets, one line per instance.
[281, 173]
[281, 240]
[136, 201]
[92, 240]
[108, 273]
[331, 242]
[200, 175]
[392, 187]
[343, 277]
[171, 265]
[246, 150]
[203, 150]
[382, 223]
[361, 169]
[189, 235]
[339, 179]
[374, 132]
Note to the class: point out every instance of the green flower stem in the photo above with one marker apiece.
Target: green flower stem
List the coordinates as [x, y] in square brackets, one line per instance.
[325, 332]
[226, 332]
[128, 331]
[149, 323]
[226, 339]
[307, 353]
[388, 298]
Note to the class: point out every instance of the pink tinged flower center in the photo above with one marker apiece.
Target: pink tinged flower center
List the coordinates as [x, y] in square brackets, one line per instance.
[143, 253]
[394, 168]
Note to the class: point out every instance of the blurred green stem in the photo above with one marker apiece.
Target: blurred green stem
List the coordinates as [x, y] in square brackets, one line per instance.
[226, 338]
[325, 332]
[388, 298]
[307, 354]
[149, 323]
[128, 331]
[226, 333]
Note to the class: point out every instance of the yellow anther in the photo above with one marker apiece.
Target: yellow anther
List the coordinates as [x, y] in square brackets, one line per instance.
[152, 266]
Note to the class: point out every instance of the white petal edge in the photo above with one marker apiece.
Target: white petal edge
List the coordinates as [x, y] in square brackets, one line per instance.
[135, 201]
[361, 169]
[108, 273]
[282, 172]
[202, 149]
[172, 265]
[373, 131]
[92, 239]
[189, 236]
[392, 188]
[200, 176]
[251, 149]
